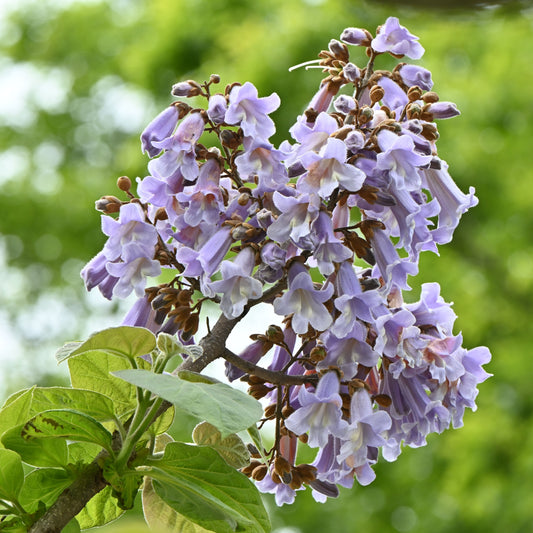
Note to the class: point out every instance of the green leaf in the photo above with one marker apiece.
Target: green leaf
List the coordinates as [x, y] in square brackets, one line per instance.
[92, 371]
[123, 341]
[16, 410]
[198, 484]
[94, 404]
[11, 475]
[232, 449]
[226, 408]
[101, 509]
[161, 517]
[36, 452]
[67, 424]
[45, 485]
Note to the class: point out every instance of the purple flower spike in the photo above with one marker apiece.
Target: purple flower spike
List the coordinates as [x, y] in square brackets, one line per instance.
[251, 112]
[397, 40]
[320, 412]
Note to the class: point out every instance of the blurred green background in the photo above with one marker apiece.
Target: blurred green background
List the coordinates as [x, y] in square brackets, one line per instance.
[80, 79]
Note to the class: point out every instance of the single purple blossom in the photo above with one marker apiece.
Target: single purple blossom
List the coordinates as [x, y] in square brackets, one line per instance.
[304, 301]
[130, 227]
[251, 112]
[365, 431]
[328, 170]
[297, 214]
[400, 160]
[452, 200]
[320, 414]
[204, 199]
[397, 40]
[179, 149]
[237, 286]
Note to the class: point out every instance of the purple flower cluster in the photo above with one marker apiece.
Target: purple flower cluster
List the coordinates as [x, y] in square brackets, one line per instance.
[327, 228]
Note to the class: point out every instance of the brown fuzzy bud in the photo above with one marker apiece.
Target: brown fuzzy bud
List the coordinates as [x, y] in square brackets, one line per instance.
[430, 97]
[376, 94]
[243, 199]
[430, 132]
[287, 411]
[258, 391]
[214, 78]
[270, 411]
[366, 114]
[414, 93]
[318, 353]
[259, 472]
[124, 183]
[108, 204]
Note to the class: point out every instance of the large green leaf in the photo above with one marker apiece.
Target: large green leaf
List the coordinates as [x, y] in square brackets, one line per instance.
[36, 452]
[11, 475]
[228, 409]
[231, 448]
[123, 341]
[72, 425]
[93, 371]
[198, 484]
[162, 517]
[101, 509]
[43, 484]
[94, 404]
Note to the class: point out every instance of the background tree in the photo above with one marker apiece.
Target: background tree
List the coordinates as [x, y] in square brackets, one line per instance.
[80, 81]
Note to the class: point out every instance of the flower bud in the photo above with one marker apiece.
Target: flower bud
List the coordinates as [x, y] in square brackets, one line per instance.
[414, 75]
[186, 88]
[344, 104]
[216, 110]
[414, 93]
[443, 110]
[356, 36]
[259, 472]
[124, 183]
[351, 72]
[376, 94]
[430, 97]
[354, 141]
[230, 139]
[214, 78]
[108, 204]
[339, 50]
